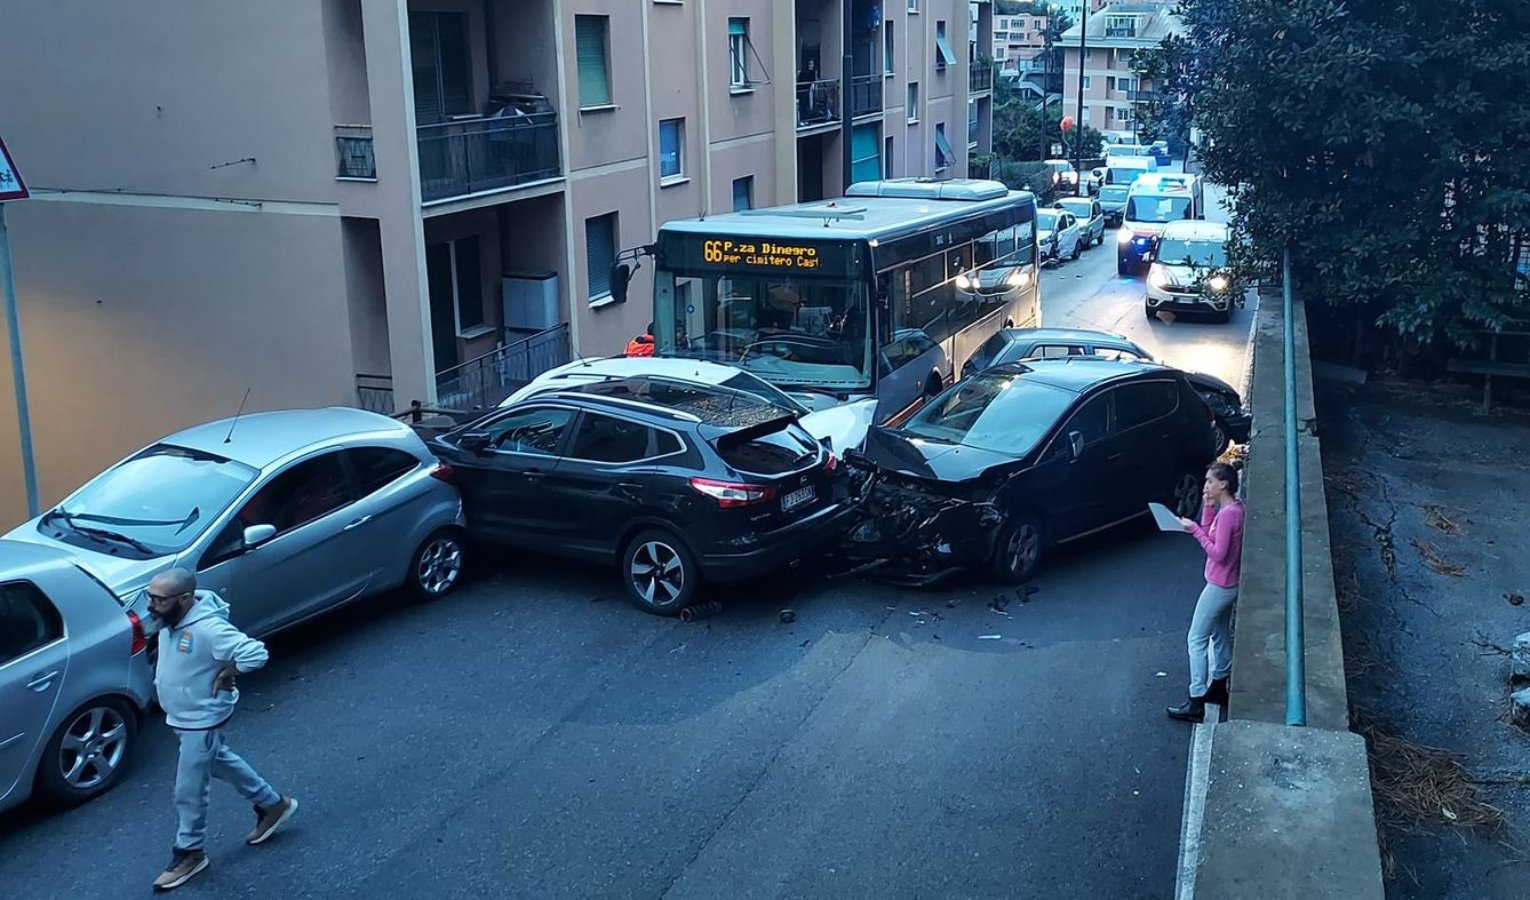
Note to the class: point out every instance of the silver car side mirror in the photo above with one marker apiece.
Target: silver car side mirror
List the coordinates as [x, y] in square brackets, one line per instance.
[256, 535]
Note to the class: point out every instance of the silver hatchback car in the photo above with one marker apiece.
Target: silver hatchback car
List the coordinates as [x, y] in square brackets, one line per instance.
[74, 678]
[285, 514]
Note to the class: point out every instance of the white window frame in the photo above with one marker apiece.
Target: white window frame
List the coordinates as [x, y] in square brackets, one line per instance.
[738, 55]
[677, 176]
[911, 100]
[913, 7]
[1088, 82]
[603, 298]
[889, 46]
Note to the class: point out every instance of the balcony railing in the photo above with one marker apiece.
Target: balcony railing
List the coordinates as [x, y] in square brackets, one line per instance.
[374, 393]
[353, 151]
[865, 95]
[1142, 96]
[1121, 31]
[979, 77]
[484, 381]
[817, 102]
[471, 155]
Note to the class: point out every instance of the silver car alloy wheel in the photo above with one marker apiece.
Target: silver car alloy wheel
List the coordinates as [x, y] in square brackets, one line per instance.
[1024, 548]
[1187, 495]
[657, 570]
[92, 748]
[440, 565]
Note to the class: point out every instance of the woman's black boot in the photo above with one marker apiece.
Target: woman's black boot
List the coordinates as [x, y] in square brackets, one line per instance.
[1192, 710]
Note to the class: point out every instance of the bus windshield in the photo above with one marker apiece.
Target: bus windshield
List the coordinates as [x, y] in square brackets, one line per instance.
[793, 332]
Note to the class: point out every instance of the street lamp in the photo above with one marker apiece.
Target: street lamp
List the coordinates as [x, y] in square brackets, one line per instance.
[1078, 138]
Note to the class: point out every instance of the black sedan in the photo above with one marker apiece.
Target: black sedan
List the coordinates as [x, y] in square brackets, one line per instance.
[1017, 344]
[1021, 457]
[716, 485]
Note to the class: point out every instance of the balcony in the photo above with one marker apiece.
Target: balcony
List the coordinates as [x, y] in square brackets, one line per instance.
[1142, 96]
[865, 95]
[818, 102]
[466, 156]
[979, 76]
[353, 151]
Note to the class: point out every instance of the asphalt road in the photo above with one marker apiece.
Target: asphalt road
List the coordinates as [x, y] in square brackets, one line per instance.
[532, 736]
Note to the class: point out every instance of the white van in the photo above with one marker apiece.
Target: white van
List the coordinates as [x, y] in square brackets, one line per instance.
[1127, 169]
[1153, 202]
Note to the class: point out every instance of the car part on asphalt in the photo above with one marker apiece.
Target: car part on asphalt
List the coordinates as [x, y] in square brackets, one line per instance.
[701, 611]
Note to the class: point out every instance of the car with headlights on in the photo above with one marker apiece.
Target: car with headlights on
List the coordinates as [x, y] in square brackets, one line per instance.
[1063, 175]
[1112, 199]
[1009, 345]
[285, 514]
[1189, 272]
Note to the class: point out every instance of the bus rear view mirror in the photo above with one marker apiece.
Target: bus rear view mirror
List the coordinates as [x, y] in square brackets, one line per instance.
[621, 274]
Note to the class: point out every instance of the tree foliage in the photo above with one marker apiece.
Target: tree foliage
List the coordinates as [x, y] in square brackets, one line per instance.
[1021, 131]
[1383, 141]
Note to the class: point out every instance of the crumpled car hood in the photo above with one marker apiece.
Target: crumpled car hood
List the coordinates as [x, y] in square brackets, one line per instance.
[930, 460]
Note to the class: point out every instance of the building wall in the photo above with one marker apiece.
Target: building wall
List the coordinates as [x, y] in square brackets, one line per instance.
[1102, 64]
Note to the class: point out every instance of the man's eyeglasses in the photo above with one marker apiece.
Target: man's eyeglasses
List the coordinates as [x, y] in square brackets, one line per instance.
[165, 598]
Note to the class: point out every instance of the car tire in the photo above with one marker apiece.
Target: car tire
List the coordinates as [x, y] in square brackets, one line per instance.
[1078, 247]
[1222, 317]
[1123, 267]
[1152, 314]
[436, 567]
[1185, 496]
[1017, 550]
[106, 727]
[659, 573]
[1219, 438]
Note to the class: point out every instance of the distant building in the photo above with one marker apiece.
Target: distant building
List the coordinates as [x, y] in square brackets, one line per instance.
[1113, 94]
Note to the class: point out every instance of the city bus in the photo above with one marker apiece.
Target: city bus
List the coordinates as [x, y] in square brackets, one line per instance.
[881, 293]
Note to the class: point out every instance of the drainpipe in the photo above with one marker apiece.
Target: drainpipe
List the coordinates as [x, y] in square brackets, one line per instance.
[846, 67]
[1296, 642]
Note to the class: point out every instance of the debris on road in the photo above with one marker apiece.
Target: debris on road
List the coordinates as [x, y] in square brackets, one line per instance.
[953, 603]
[1515, 598]
[1519, 708]
[1435, 518]
[1431, 558]
[1519, 659]
[1161, 675]
[990, 637]
[700, 611]
[788, 616]
[1416, 785]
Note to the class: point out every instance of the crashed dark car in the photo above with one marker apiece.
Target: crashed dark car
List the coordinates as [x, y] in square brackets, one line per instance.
[1017, 344]
[1022, 457]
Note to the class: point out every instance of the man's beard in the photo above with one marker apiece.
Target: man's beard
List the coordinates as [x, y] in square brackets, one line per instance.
[172, 617]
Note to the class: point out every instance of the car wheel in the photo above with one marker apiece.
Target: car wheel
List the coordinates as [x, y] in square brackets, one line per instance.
[1223, 317]
[1017, 551]
[436, 567]
[1219, 438]
[86, 756]
[1186, 499]
[1152, 314]
[1123, 267]
[660, 574]
[1078, 247]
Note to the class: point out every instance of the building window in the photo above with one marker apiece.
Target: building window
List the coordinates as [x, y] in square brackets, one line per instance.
[972, 122]
[442, 66]
[599, 253]
[743, 193]
[913, 6]
[913, 102]
[1088, 54]
[887, 157]
[944, 56]
[671, 149]
[1088, 83]
[592, 46]
[887, 47]
[943, 155]
[738, 52]
[454, 278]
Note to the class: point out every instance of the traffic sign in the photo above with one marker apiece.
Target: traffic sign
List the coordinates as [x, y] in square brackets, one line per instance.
[11, 185]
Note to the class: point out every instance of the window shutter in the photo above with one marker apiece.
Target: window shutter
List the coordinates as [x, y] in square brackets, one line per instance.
[865, 164]
[600, 250]
[422, 52]
[590, 52]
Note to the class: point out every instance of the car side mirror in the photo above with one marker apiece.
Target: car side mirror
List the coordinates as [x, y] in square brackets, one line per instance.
[474, 441]
[1076, 443]
[256, 535]
[621, 276]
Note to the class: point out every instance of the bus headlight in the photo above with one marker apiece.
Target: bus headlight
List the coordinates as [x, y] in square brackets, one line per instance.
[1218, 282]
[1019, 278]
[1124, 236]
[963, 282]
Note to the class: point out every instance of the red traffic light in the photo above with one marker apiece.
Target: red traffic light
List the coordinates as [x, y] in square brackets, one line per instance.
[1067, 123]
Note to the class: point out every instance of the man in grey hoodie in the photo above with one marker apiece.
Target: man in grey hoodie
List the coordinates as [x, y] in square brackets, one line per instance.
[200, 653]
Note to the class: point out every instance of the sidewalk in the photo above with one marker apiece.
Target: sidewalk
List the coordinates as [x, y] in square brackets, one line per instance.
[1427, 504]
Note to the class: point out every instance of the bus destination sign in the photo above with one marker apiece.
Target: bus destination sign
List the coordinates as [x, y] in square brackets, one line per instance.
[748, 254]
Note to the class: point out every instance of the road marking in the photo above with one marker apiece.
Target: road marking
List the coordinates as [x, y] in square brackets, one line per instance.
[1196, 780]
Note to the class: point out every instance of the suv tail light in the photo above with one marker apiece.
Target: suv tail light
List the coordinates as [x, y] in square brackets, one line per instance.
[444, 472]
[832, 462]
[730, 494]
[140, 643]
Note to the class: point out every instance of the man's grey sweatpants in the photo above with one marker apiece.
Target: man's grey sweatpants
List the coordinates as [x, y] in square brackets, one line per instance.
[205, 756]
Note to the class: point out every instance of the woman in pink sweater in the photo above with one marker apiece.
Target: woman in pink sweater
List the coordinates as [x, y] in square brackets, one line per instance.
[1220, 532]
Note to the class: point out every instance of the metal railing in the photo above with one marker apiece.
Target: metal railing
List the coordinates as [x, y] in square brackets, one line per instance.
[353, 152]
[374, 393]
[980, 77]
[1142, 96]
[865, 95]
[1296, 646]
[471, 155]
[486, 380]
[817, 102]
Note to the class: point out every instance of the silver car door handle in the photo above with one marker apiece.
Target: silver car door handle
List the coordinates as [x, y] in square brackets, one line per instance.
[42, 682]
[357, 523]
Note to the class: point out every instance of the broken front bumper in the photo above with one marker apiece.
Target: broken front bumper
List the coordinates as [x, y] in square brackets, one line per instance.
[912, 530]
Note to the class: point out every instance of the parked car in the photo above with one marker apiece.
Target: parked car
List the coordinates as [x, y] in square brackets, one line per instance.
[285, 514]
[1090, 216]
[1058, 234]
[1190, 272]
[840, 425]
[1064, 176]
[1159, 150]
[74, 678]
[1025, 456]
[713, 486]
[1112, 199]
[1012, 345]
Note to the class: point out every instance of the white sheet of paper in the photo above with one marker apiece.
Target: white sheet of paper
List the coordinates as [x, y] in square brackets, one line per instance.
[1166, 520]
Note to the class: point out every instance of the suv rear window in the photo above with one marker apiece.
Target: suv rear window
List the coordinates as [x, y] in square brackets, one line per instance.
[775, 453]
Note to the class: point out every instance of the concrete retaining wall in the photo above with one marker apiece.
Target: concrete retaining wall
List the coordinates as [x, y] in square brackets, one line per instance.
[1281, 811]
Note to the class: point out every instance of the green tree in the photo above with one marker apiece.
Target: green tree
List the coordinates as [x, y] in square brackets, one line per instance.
[1382, 142]
[1021, 131]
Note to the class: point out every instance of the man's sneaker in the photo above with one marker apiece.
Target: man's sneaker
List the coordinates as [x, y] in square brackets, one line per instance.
[183, 865]
[270, 818]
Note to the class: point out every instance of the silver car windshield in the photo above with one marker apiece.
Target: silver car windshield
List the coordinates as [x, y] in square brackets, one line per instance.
[157, 502]
[997, 411]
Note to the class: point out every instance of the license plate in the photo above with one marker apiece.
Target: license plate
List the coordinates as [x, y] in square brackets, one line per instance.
[796, 498]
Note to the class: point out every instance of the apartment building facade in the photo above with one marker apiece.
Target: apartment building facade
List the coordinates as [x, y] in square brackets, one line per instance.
[1113, 93]
[377, 201]
[1017, 40]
